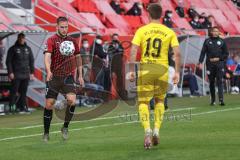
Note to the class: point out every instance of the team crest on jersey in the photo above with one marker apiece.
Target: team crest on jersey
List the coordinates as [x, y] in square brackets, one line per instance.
[210, 42]
[26, 51]
[219, 43]
[18, 50]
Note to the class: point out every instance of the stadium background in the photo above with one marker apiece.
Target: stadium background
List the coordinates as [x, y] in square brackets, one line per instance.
[89, 18]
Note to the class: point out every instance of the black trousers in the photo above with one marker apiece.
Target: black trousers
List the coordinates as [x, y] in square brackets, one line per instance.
[215, 72]
[235, 81]
[18, 93]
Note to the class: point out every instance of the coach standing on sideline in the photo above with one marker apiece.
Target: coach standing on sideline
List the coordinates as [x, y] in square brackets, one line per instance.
[216, 51]
[20, 66]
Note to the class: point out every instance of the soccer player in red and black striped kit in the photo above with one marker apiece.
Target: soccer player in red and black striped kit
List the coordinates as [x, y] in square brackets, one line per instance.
[58, 68]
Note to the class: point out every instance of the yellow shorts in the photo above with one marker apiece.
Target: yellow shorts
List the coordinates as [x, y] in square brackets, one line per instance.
[152, 82]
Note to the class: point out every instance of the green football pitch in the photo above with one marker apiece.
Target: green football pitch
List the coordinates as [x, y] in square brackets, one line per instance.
[192, 130]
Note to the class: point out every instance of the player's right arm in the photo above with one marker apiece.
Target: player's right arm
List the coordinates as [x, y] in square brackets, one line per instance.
[47, 62]
[202, 55]
[133, 53]
[47, 59]
[136, 42]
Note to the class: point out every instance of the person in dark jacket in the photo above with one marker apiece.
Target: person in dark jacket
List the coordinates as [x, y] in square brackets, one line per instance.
[167, 20]
[20, 66]
[216, 51]
[236, 2]
[86, 60]
[195, 23]
[101, 63]
[192, 12]
[115, 4]
[180, 9]
[98, 48]
[1, 54]
[115, 47]
[203, 19]
[136, 9]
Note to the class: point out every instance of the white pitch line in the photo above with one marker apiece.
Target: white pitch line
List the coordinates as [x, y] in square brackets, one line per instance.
[114, 124]
[9, 128]
[96, 119]
[76, 129]
[216, 111]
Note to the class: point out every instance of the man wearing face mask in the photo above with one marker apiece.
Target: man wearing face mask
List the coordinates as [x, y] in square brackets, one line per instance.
[115, 46]
[98, 48]
[106, 68]
[167, 20]
[20, 66]
[100, 59]
[215, 49]
[86, 60]
[136, 9]
[205, 24]
[195, 23]
[115, 4]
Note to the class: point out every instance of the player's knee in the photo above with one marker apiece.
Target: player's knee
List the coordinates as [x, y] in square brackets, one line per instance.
[49, 103]
[143, 103]
[71, 99]
[159, 100]
[71, 102]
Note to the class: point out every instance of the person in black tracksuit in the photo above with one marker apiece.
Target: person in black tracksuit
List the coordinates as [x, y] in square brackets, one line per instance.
[195, 23]
[167, 19]
[20, 66]
[115, 4]
[136, 9]
[216, 52]
[100, 63]
[192, 12]
[180, 9]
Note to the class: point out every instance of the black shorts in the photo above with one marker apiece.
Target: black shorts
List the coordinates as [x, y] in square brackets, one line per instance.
[56, 85]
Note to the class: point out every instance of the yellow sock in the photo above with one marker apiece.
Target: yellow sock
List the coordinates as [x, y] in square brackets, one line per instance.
[158, 115]
[144, 116]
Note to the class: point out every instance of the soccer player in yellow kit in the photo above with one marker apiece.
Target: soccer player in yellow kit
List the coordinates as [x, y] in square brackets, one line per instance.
[154, 41]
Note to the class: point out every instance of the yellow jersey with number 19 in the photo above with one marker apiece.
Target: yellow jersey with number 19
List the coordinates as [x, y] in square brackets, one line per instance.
[154, 40]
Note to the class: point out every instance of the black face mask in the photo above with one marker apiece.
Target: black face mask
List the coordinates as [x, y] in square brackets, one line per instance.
[115, 41]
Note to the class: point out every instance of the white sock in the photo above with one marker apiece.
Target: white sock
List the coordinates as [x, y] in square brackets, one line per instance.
[156, 132]
[148, 132]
